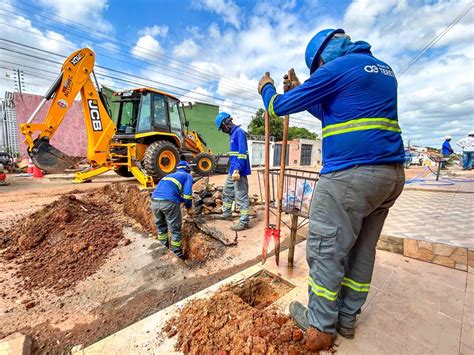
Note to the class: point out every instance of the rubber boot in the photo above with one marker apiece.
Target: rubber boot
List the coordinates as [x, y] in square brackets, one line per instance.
[239, 227]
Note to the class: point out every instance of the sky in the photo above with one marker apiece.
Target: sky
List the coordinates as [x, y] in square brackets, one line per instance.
[216, 50]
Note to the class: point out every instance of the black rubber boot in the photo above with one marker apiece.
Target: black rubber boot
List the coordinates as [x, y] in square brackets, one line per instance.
[299, 314]
[348, 333]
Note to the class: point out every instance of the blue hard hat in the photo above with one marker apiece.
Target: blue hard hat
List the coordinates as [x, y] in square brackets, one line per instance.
[221, 116]
[183, 165]
[316, 46]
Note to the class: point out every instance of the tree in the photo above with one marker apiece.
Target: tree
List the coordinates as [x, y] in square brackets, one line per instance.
[300, 132]
[257, 127]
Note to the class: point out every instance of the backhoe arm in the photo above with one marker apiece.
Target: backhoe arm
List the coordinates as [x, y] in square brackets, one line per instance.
[75, 77]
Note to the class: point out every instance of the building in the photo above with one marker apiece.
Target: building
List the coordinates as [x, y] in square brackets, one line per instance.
[256, 146]
[300, 152]
[9, 139]
[201, 117]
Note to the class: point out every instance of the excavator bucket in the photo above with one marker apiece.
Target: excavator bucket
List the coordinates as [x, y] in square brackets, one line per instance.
[48, 158]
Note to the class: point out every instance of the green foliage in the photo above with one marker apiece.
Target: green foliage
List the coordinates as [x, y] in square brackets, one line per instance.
[300, 132]
[257, 127]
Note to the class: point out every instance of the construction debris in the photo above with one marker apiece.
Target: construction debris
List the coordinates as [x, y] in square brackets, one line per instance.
[235, 321]
[208, 200]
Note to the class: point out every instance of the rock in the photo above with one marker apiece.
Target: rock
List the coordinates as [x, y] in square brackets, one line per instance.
[16, 343]
[76, 348]
[124, 242]
[209, 201]
[30, 304]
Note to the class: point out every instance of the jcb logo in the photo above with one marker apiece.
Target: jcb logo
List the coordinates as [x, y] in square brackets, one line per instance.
[95, 115]
[371, 69]
[77, 58]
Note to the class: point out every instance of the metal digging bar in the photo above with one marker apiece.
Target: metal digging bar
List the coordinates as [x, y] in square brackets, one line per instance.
[298, 191]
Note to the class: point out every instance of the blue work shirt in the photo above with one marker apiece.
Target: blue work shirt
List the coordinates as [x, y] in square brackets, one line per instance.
[239, 152]
[355, 97]
[176, 187]
[446, 149]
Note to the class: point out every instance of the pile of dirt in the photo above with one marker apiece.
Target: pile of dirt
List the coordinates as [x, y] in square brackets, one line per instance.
[129, 202]
[235, 320]
[62, 243]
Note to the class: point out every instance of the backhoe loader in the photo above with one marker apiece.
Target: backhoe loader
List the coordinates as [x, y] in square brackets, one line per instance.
[149, 138]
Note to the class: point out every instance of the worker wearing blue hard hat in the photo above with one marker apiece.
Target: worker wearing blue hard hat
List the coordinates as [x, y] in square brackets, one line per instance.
[171, 191]
[354, 95]
[236, 186]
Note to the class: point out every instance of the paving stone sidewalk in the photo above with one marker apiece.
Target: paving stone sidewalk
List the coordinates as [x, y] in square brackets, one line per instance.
[441, 217]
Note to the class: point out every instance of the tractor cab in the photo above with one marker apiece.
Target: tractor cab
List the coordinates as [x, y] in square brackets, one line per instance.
[147, 112]
[155, 122]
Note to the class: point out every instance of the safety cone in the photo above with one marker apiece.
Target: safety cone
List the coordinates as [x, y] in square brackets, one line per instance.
[37, 173]
[30, 166]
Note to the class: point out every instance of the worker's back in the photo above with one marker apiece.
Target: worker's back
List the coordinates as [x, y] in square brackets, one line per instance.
[170, 188]
[359, 113]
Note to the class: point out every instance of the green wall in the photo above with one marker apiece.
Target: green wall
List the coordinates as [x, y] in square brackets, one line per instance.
[201, 118]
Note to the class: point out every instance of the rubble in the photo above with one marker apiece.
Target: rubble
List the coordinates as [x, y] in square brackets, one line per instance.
[235, 320]
[208, 200]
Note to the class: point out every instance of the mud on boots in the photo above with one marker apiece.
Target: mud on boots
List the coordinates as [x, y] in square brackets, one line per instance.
[354, 95]
[236, 186]
[171, 191]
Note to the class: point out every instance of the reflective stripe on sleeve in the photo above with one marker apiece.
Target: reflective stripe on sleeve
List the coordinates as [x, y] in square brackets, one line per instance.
[188, 197]
[271, 110]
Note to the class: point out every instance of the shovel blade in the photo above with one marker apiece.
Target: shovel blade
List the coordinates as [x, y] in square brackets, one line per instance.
[50, 159]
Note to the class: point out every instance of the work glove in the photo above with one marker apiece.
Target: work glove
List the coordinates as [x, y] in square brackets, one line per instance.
[236, 175]
[266, 79]
[290, 80]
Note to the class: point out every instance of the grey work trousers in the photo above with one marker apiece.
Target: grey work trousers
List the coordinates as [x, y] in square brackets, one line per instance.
[347, 214]
[238, 190]
[168, 213]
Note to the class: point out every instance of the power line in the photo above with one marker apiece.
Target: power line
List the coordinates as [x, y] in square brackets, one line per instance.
[436, 39]
[167, 69]
[186, 66]
[224, 101]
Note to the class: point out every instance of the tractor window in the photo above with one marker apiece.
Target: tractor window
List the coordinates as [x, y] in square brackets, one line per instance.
[159, 111]
[144, 121]
[127, 116]
[175, 121]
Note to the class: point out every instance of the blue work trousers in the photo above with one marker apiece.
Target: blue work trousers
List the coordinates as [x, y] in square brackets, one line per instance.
[467, 158]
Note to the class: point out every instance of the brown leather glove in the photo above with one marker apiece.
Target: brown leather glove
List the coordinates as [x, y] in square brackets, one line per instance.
[264, 81]
[290, 80]
[236, 175]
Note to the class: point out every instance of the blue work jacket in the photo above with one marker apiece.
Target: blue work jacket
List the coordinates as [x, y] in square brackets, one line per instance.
[355, 97]
[239, 152]
[176, 187]
[446, 149]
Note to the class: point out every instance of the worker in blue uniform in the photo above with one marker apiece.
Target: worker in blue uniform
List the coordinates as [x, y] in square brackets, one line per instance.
[171, 191]
[354, 95]
[446, 150]
[236, 186]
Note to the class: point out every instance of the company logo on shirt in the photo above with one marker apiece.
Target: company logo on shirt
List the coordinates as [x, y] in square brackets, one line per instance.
[379, 68]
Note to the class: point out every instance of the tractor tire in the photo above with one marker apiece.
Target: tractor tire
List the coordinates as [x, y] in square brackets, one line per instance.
[160, 159]
[205, 164]
[122, 170]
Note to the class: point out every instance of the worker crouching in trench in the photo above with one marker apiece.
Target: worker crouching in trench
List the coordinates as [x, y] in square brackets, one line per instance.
[171, 191]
